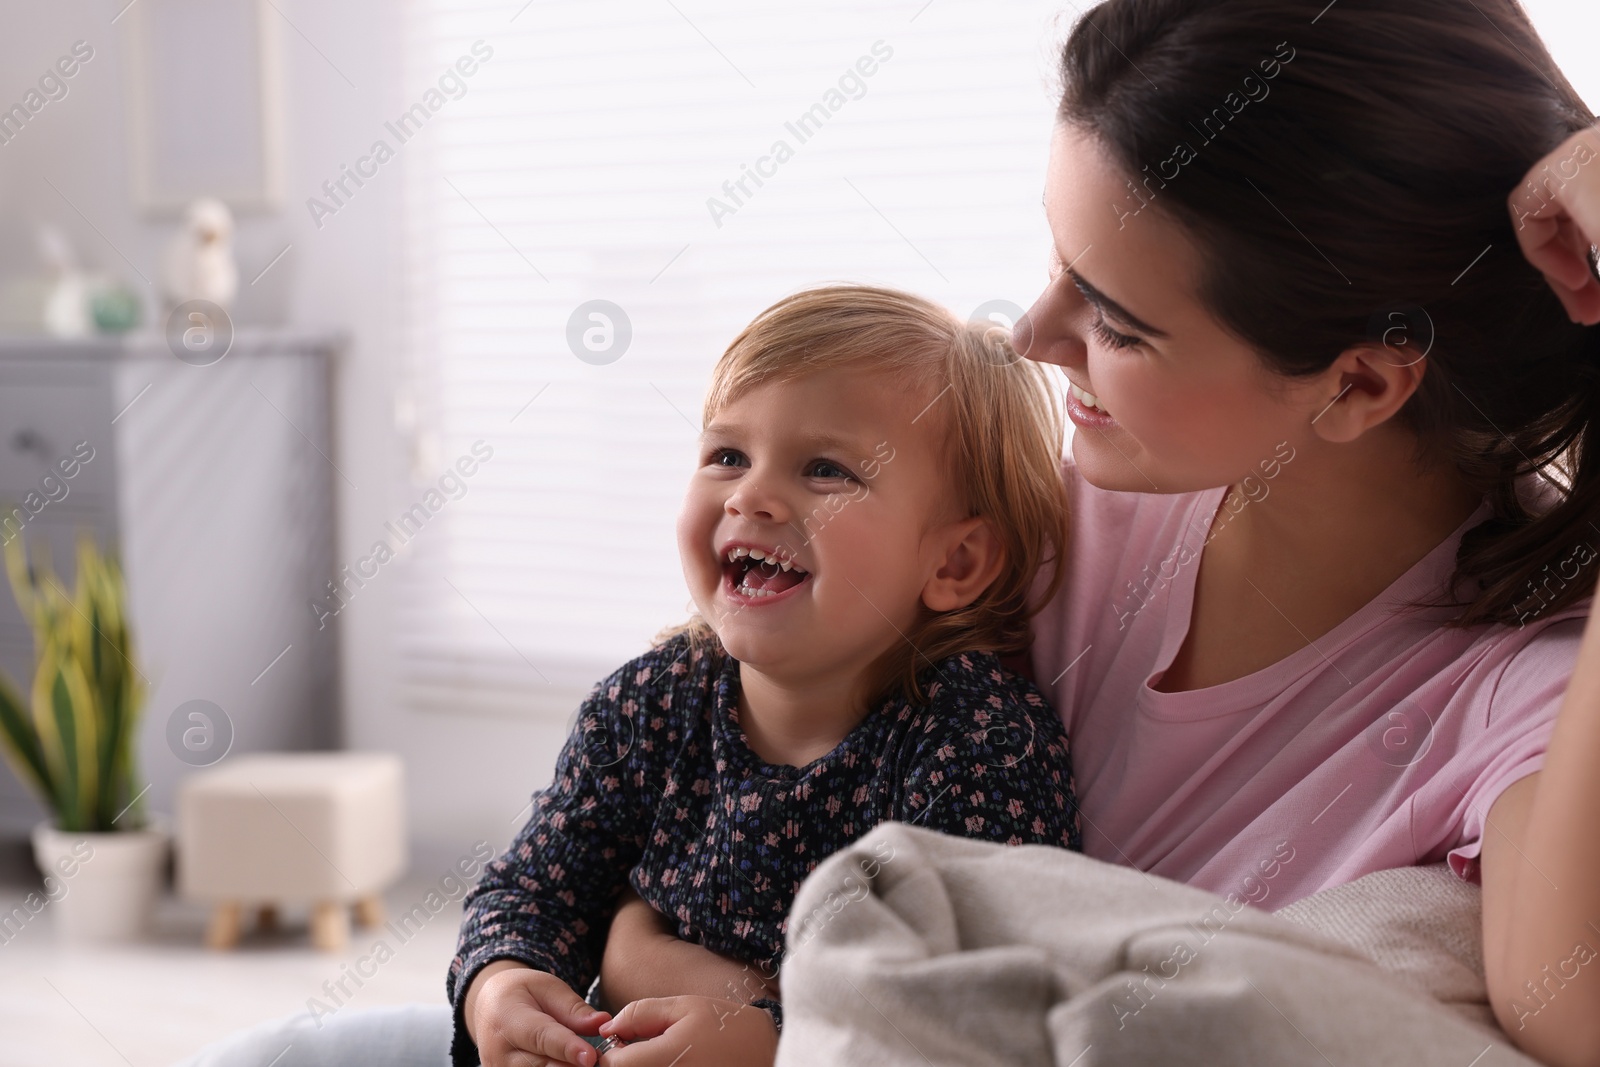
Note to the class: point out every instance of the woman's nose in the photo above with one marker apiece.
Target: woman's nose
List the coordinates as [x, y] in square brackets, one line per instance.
[1044, 333]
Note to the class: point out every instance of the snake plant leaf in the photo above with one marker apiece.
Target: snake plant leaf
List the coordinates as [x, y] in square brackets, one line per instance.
[21, 579]
[56, 739]
[77, 693]
[116, 679]
[16, 555]
[65, 715]
[88, 622]
[19, 742]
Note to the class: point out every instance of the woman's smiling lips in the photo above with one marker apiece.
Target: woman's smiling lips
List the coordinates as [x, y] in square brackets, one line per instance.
[1083, 408]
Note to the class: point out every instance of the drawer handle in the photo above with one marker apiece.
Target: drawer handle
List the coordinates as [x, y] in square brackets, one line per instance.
[30, 441]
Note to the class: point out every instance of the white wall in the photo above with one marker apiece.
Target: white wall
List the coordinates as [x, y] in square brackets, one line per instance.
[1570, 29]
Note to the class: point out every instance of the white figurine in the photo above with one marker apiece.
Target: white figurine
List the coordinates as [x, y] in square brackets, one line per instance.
[199, 261]
[64, 310]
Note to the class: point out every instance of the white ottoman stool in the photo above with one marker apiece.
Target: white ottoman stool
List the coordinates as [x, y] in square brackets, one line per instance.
[320, 828]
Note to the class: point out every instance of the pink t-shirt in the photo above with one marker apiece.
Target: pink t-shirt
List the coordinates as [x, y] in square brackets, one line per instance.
[1381, 744]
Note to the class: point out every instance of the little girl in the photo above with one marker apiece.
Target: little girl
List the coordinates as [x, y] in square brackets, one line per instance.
[878, 485]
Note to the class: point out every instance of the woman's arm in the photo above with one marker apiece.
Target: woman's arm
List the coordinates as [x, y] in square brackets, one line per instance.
[1541, 885]
[1541, 852]
[643, 959]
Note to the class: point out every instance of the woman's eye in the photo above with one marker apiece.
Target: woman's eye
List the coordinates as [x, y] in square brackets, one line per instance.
[726, 457]
[1111, 338]
[823, 468]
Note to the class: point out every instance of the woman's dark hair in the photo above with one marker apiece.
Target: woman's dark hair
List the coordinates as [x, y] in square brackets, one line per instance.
[1346, 175]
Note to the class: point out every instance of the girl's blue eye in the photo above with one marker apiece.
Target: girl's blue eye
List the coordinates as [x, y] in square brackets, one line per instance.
[1111, 338]
[825, 469]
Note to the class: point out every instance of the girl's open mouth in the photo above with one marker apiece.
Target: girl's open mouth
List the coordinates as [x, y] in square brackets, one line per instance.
[758, 576]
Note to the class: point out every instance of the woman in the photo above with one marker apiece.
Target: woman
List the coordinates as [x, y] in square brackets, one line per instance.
[1320, 372]
[1315, 592]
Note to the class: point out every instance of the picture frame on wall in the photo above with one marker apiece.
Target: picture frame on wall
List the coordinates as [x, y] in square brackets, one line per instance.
[207, 121]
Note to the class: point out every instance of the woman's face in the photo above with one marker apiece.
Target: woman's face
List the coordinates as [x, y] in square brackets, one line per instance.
[1188, 406]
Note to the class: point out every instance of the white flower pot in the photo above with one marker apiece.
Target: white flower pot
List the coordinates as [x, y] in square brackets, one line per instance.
[101, 886]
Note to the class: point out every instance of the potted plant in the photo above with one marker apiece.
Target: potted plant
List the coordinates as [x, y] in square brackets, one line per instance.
[73, 743]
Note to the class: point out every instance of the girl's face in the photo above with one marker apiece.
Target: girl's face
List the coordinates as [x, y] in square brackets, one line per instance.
[837, 475]
[1187, 405]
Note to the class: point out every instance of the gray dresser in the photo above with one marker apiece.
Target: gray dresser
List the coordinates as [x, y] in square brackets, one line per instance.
[215, 484]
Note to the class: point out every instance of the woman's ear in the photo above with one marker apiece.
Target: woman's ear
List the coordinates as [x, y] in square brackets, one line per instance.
[971, 561]
[1363, 388]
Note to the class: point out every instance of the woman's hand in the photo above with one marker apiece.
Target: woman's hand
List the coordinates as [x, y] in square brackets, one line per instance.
[643, 959]
[1558, 218]
[692, 1032]
[512, 1011]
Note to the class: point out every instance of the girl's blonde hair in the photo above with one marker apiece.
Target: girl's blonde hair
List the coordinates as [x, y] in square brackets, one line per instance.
[1002, 441]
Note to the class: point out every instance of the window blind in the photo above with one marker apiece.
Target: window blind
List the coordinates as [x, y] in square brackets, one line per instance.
[595, 152]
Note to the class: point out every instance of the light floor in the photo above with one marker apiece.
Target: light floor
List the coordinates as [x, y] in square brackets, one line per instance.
[152, 1004]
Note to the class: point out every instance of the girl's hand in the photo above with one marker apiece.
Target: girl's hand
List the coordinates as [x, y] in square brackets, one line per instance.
[644, 959]
[1559, 218]
[692, 1032]
[514, 1010]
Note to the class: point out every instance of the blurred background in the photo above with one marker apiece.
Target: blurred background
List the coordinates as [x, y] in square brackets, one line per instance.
[374, 336]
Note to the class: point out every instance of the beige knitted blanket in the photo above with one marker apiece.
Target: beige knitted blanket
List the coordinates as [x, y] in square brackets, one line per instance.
[920, 949]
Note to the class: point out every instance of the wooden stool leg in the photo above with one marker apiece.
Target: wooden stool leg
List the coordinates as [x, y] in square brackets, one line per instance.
[267, 918]
[330, 926]
[222, 932]
[369, 910]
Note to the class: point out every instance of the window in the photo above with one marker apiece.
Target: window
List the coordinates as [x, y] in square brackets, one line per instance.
[629, 152]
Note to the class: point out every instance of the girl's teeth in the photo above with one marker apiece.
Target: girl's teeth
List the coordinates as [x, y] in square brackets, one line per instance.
[771, 559]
